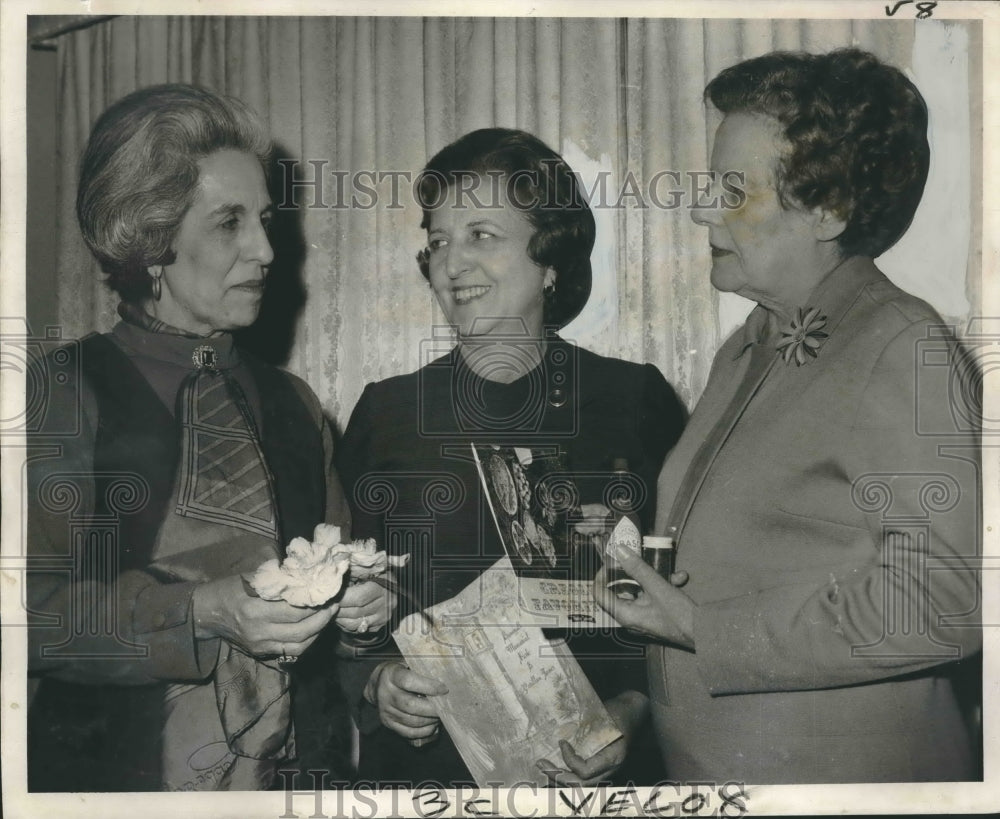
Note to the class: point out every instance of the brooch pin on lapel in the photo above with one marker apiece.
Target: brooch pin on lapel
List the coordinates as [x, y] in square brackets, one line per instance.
[804, 338]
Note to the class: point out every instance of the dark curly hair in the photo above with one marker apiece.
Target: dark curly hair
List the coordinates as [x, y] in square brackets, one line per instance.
[857, 130]
[540, 184]
[139, 174]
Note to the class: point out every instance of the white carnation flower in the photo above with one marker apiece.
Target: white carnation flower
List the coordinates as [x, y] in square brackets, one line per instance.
[313, 573]
[270, 581]
[326, 535]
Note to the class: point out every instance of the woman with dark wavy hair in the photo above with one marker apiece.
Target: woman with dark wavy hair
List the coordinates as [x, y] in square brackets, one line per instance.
[509, 238]
[192, 463]
[824, 494]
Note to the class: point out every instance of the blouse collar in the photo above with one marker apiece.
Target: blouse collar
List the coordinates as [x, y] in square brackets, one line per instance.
[148, 336]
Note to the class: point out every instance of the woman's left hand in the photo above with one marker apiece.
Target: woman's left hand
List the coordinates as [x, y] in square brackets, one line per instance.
[365, 607]
[627, 710]
[661, 610]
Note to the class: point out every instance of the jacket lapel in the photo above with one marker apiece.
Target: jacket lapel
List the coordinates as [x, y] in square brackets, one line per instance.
[834, 296]
[762, 361]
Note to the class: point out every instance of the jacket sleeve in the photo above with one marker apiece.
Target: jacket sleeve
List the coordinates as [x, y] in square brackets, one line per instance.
[90, 626]
[356, 457]
[659, 421]
[337, 509]
[660, 415]
[915, 479]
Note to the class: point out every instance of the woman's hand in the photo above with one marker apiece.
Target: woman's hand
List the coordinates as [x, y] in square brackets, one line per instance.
[627, 710]
[661, 610]
[365, 607]
[405, 700]
[261, 628]
[585, 772]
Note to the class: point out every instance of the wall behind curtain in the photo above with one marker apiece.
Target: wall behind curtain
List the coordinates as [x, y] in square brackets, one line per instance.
[383, 94]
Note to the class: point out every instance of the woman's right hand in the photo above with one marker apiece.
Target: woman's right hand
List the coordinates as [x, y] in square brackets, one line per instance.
[261, 628]
[405, 700]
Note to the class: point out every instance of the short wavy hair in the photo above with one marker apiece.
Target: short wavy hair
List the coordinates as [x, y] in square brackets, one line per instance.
[539, 183]
[139, 174]
[857, 131]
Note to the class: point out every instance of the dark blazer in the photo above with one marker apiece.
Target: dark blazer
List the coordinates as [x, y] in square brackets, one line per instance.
[410, 479]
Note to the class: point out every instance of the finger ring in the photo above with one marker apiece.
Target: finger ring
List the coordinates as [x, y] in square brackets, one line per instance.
[287, 659]
[363, 625]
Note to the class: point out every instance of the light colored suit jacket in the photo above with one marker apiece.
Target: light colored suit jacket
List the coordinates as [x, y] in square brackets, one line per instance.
[832, 550]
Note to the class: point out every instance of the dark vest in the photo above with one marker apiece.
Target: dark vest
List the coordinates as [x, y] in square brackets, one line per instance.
[107, 737]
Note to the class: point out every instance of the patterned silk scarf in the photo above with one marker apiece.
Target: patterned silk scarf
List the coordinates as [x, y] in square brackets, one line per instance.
[230, 734]
[223, 477]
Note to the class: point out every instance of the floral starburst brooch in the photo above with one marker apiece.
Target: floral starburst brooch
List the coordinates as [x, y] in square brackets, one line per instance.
[804, 337]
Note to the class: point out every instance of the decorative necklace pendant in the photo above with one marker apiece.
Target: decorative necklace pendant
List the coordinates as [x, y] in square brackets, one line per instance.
[804, 338]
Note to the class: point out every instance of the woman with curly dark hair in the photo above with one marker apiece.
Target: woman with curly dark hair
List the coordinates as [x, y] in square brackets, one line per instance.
[825, 492]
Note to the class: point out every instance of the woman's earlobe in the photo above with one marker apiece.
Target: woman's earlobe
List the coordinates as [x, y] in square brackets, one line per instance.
[827, 226]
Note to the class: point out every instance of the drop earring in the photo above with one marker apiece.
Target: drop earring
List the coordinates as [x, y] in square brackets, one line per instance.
[549, 288]
[157, 284]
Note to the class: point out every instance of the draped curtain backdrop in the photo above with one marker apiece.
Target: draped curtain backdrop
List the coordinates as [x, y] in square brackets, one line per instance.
[343, 96]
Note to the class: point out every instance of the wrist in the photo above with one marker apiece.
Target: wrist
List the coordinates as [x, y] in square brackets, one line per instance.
[202, 611]
[354, 639]
[371, 687]
[628, 710]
